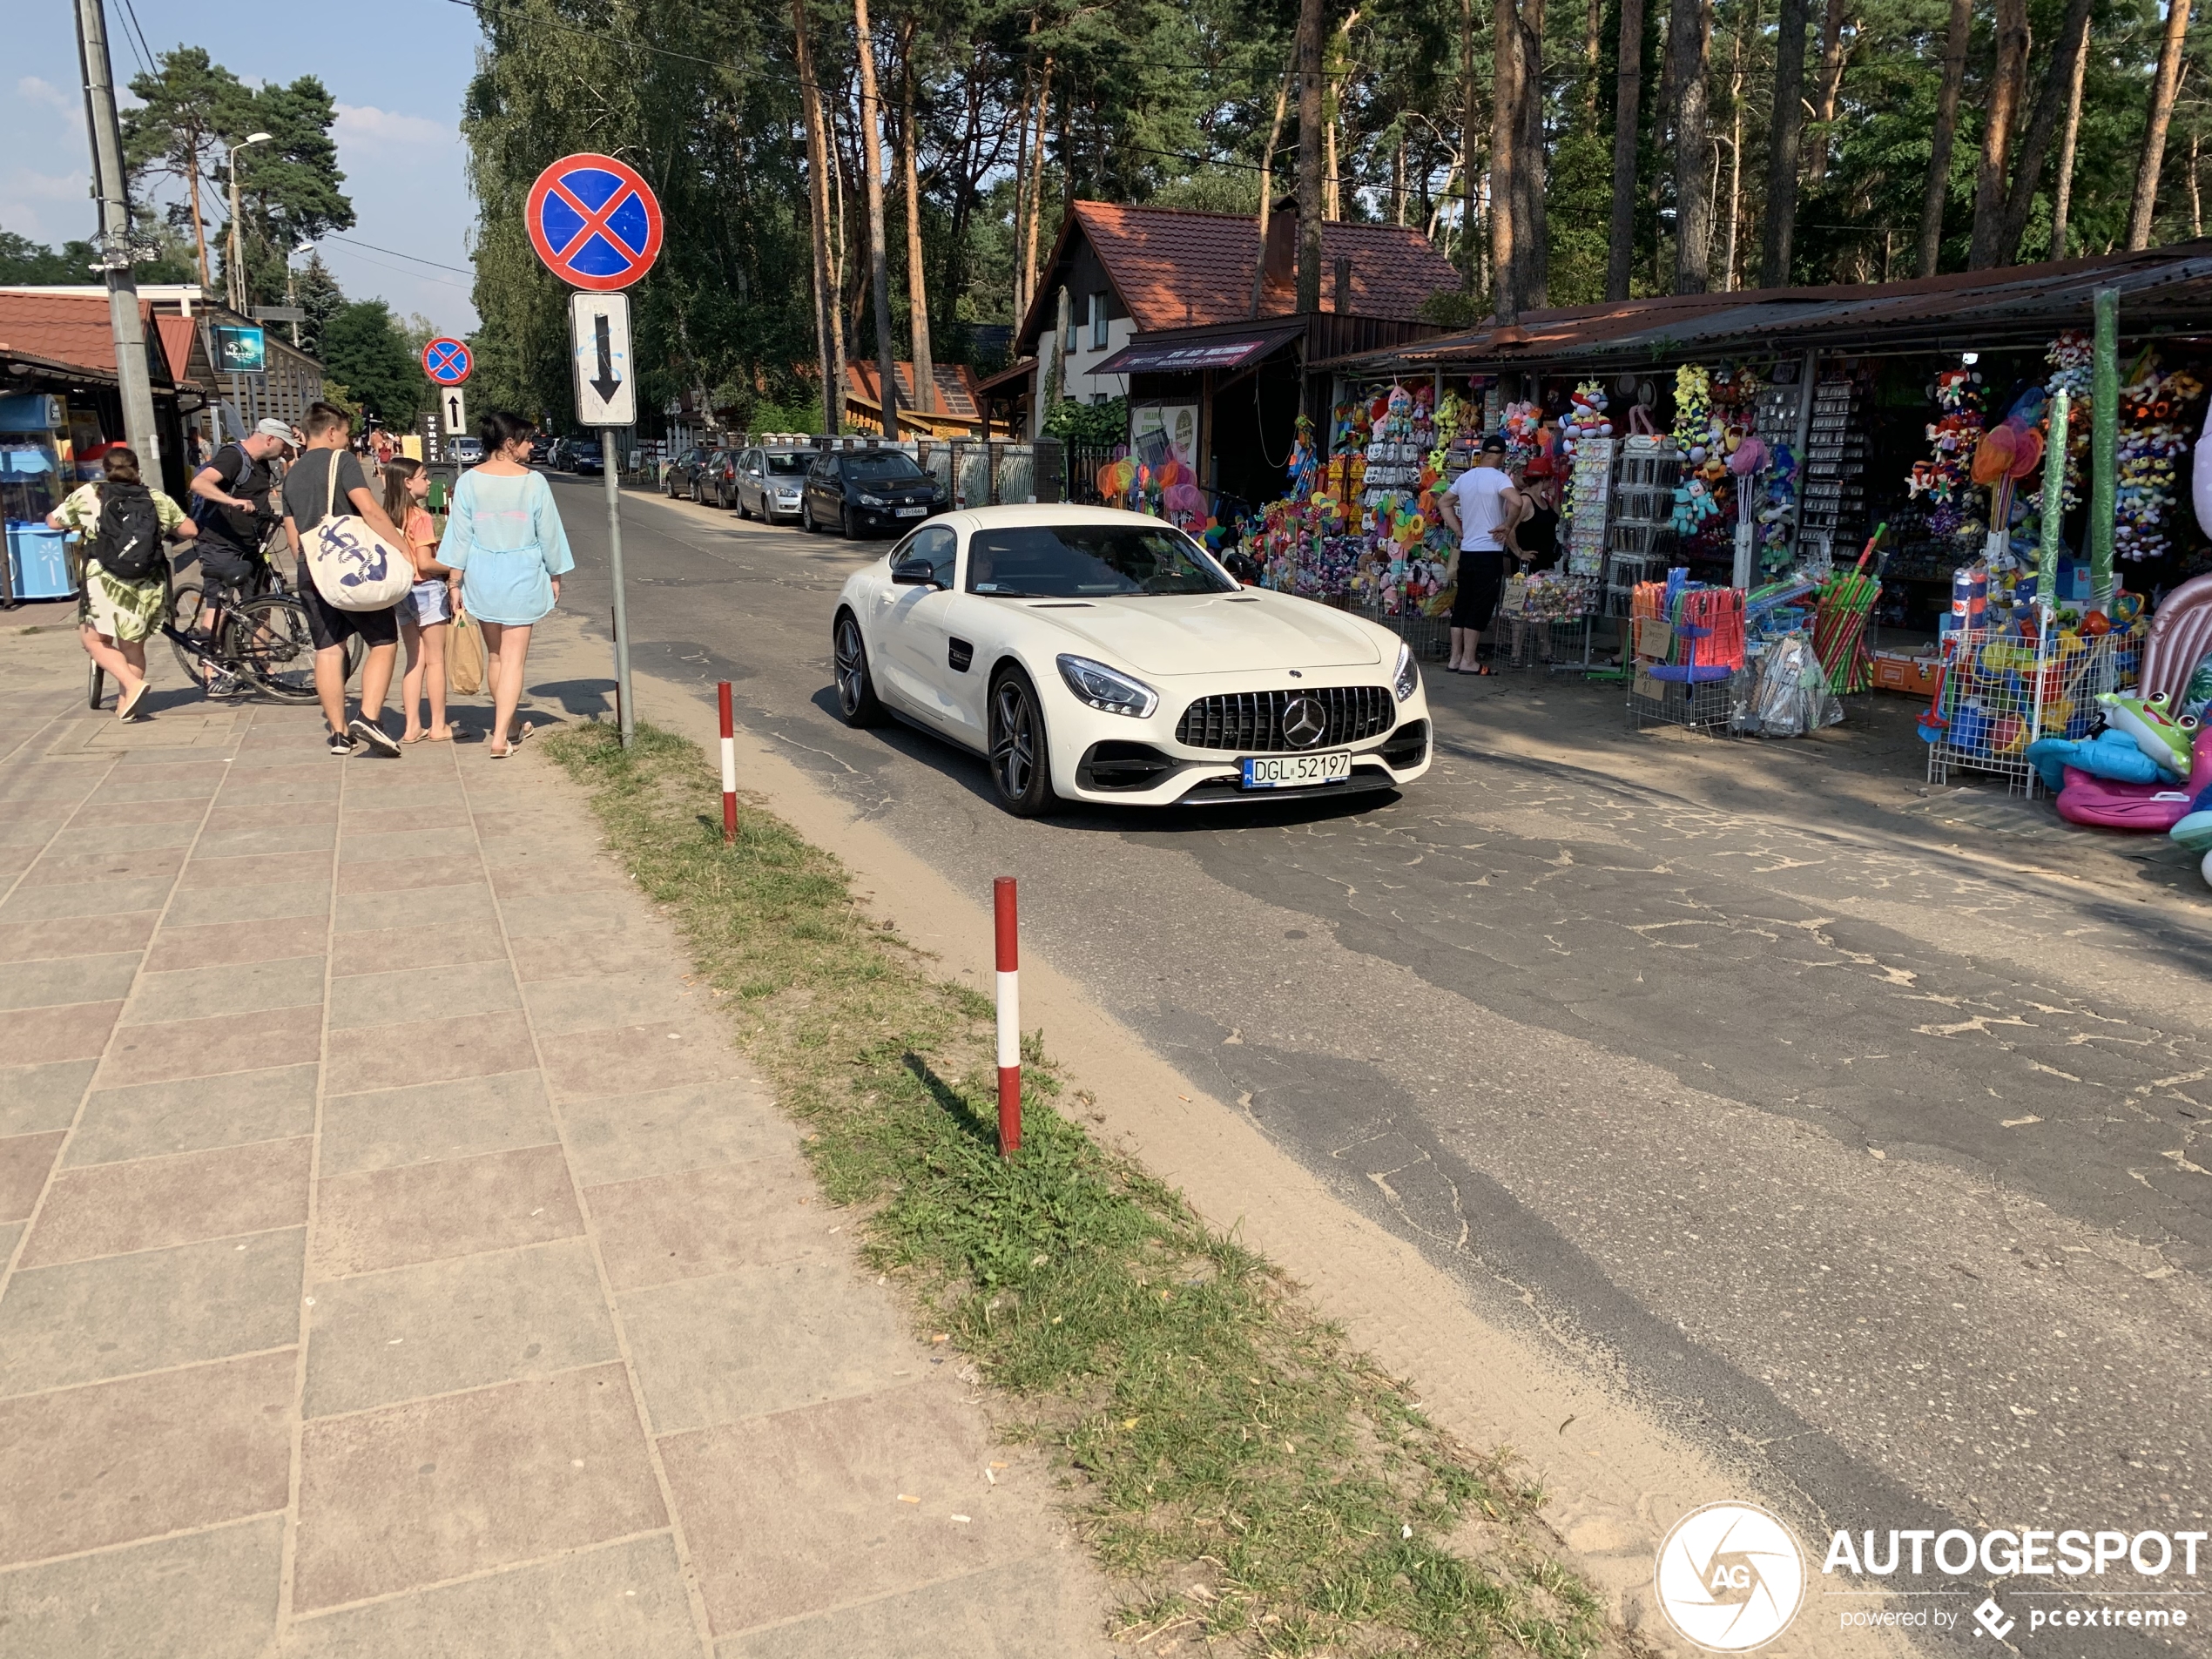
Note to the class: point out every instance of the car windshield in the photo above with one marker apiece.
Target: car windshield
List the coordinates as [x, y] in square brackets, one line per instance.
[882, 469]
[1087, 560]
[787, 466]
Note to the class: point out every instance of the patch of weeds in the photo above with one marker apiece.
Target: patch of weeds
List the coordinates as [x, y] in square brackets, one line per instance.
[1248, 1477]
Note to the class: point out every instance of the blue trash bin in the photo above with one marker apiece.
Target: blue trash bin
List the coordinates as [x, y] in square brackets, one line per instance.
[38, 561]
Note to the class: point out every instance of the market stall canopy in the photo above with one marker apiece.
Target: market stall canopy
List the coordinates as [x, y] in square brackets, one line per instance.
[2162, 291]
[1180, 351]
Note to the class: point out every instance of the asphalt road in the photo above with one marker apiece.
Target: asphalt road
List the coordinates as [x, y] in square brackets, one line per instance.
[1867, 1156]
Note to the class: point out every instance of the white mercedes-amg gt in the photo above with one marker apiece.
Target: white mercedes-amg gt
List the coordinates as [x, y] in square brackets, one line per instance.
[1102, 655]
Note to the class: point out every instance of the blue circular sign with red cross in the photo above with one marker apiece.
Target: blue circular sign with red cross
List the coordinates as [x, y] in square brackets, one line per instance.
[448, 361]
[594, 222]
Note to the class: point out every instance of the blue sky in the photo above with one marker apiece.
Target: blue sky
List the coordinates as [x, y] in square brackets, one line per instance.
[398, 73]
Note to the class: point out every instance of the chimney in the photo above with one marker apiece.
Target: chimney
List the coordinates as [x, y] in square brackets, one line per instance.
[1343, 284]
[1282, 244]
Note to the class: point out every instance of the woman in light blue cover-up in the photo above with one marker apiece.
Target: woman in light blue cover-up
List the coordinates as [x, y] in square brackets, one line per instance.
[503, 539]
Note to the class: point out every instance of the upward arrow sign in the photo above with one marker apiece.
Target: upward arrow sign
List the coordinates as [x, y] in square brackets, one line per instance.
[453, 411]
[606, 382]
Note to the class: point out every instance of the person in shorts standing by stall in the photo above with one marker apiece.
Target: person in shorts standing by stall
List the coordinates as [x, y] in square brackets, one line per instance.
[120, 524]
[1479, 506]
[308, 490]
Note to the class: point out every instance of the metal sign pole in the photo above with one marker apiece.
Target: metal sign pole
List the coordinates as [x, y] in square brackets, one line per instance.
[623, 705]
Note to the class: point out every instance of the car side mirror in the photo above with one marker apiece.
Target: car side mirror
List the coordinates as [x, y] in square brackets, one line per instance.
[914, 573]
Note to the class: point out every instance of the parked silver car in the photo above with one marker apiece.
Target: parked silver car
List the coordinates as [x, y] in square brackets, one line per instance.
[769, 482]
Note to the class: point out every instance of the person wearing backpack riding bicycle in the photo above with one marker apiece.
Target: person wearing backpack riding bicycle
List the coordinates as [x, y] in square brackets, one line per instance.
[327, 480]
[121, 524]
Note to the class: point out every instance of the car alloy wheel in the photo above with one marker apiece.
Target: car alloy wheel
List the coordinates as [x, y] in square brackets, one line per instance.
[856, 698]
[1021, 765]
[844, 525]
[806, 516]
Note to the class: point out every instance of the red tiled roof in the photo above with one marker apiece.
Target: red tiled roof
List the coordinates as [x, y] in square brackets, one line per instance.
[956, 384]
[1175, 268]
[177, 334]
[69, 328]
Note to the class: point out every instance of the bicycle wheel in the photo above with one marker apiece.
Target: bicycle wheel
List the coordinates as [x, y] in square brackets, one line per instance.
[187, 614]
[268, 638]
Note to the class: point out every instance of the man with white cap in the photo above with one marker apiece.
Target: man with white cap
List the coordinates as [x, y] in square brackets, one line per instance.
[233, 508]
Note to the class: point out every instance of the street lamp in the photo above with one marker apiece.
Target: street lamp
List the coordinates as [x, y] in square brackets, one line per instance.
[291, 288]
[237, 274]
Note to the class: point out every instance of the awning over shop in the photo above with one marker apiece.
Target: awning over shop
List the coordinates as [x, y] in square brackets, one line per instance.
[1183, 350]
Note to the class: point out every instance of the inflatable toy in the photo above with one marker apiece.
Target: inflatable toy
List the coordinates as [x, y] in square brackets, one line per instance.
[2166, 739]
[2180, 636]
[2152, 808]
[2113, 756]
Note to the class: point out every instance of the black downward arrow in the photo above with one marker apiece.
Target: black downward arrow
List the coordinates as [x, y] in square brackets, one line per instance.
[606, 384]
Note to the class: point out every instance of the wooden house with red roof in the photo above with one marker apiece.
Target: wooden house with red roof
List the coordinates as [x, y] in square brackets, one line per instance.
[1186, 315]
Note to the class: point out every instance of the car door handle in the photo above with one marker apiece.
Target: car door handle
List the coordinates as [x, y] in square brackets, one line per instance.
[959, 654]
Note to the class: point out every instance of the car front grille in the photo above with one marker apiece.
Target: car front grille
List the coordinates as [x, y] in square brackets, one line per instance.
[1251, 722]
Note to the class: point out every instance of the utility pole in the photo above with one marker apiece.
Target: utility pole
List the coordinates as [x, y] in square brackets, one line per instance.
[132, 377]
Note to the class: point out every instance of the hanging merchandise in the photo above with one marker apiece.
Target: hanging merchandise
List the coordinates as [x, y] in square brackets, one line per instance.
[1847, 600]
[1693, 409]
[1833, 494]
[1946, 479]
[2154, 432]
[1588, 439]
[1520, 425]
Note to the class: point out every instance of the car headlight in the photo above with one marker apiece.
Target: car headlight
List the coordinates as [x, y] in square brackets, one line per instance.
[873, 501]
[1106, 688]
[1408, 679]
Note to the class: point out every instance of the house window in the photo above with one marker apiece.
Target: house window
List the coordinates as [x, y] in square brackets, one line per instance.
[1098, 322]
[1074, 330]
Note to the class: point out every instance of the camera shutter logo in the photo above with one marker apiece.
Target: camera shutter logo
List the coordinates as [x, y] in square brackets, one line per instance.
[1731, 1578]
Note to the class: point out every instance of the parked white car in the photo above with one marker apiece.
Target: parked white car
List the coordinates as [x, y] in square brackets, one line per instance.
[1101, 656]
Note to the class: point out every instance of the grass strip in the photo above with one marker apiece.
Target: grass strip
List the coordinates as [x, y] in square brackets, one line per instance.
[1247, 1476]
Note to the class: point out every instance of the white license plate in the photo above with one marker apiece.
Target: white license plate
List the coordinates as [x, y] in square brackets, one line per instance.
[1297, 771]
[912, 512]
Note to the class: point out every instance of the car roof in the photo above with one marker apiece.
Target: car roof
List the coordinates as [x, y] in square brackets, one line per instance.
[1044, 513]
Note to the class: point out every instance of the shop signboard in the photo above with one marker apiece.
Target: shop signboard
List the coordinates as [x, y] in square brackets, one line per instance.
[241, 351]
[1163, 432]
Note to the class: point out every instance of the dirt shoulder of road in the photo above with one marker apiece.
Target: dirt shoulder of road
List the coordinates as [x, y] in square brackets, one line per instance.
[1615, 1480]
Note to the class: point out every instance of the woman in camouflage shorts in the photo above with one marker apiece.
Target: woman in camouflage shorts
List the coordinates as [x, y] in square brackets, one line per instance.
[116, 615]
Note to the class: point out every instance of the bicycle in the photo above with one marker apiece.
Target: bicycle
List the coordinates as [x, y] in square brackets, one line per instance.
[264, 642]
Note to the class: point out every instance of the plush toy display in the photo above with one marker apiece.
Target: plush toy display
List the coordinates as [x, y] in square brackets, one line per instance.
[2154, 408]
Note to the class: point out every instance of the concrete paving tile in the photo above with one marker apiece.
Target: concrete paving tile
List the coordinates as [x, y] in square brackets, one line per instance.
[24, 1160]
[227, 818]
[401, 996]
[250, 901]
[460, 907]
[761, 1340]
[10, 1231]
[386, 790]
[79, 1031]
[87, 1321]
[420, 1051]
[217, 944]
[439, 1327]
[496, 819]
[85, 1467]
[406, 1496]
[377, 819]
[635, 1059]
[75, 898]
[68, 979]
[282, 797]
[146, 1203]
[537, 916]
[22, 826]
[426, 945]
[104, 936]
[600, 1001]
[421, 1212]
[1011, 1611]
[244, 988]
[559, 955]
[193, 1114]
[710, 1221]
[14, 860]
[432, 1122]
[250, 869]
[789, 1513]
[135, 784]
[376, 847]
[35, 1098]
[424, 872]
[577, 870]
[246, 841]
[212, 1046]
[63, 865]
[622, 1137]
[622, 1600]
[206, 1596]
[185, 810]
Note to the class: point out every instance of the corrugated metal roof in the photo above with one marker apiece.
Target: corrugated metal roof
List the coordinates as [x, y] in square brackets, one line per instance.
[2160, 289]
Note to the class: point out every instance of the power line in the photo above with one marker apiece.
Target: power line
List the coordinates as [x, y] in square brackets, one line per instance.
[458, 270]
[136, 42]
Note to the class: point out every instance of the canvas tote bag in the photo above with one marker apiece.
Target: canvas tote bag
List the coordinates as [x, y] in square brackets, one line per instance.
[352, 567]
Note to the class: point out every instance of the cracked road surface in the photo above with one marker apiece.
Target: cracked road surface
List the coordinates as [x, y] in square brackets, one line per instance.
[1869, 1154]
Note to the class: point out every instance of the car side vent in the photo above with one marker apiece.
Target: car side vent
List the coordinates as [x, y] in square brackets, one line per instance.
[959, 654]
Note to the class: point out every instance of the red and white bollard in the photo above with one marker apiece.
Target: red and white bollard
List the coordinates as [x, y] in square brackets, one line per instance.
[729, 765]
[1009, 1017]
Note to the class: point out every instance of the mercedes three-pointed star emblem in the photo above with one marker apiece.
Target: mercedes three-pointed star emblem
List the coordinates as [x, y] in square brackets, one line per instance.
[1305, 722]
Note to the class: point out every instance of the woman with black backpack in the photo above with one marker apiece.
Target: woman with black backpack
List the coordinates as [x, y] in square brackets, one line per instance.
[121, 525]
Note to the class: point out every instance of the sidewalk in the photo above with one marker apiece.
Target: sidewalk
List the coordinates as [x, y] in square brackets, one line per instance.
[396, 1257]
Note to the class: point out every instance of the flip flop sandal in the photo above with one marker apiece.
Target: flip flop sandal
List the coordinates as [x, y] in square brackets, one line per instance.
[130, 700]
[418, 737]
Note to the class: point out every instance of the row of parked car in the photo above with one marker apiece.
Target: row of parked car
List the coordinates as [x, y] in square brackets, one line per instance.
[568, 454]
[855, 492]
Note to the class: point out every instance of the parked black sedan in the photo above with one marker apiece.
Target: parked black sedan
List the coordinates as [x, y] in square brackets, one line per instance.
[583, 456]
[718, 480]
[683, 474]
[856, 491]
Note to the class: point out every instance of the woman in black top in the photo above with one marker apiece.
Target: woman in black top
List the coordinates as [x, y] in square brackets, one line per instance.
[1536, 534]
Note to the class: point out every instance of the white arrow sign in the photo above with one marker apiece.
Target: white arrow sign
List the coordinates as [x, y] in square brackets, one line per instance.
[606, 391]
[453, 411]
